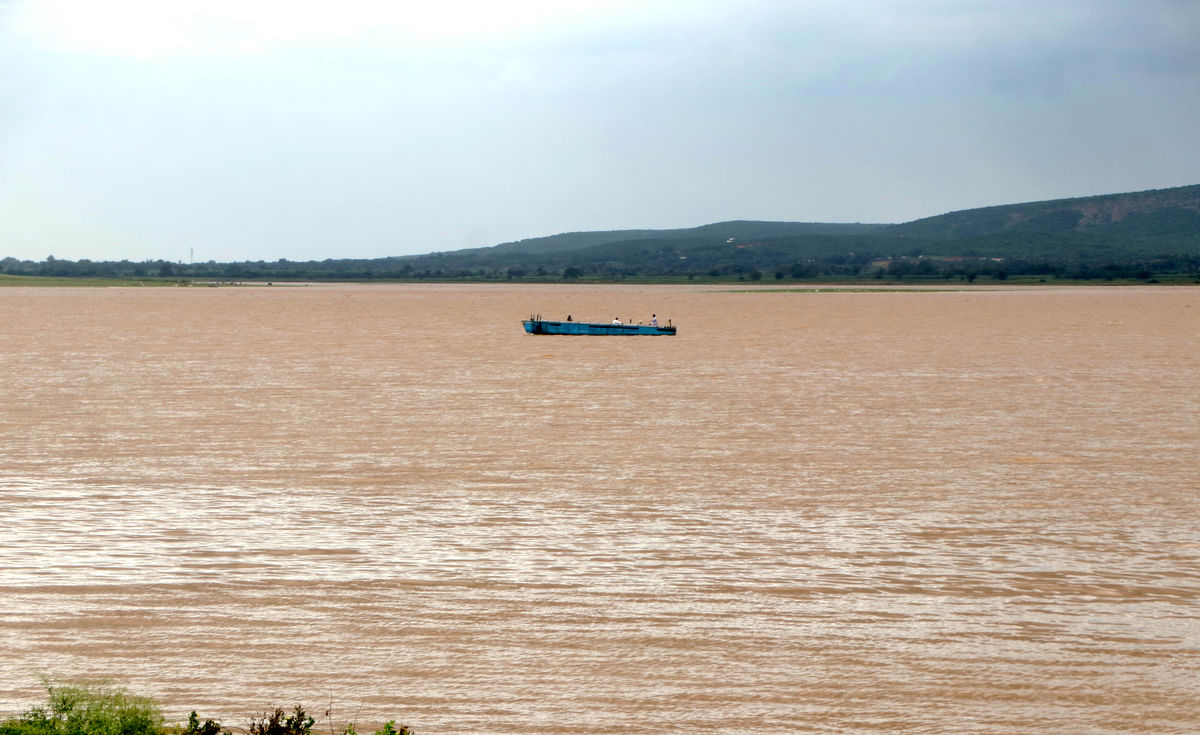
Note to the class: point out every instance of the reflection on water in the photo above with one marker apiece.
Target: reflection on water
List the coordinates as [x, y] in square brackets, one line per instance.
[833, 512]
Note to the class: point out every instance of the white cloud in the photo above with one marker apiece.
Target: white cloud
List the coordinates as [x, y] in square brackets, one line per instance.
[284, 130]
[151, 28]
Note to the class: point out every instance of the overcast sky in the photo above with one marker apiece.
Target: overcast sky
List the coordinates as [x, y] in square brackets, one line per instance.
[262, 129]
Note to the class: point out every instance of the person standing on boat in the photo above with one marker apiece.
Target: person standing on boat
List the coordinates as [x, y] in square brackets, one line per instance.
[616, 320]
[654, 320]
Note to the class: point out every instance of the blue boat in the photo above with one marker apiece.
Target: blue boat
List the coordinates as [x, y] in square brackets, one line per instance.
[538, 325]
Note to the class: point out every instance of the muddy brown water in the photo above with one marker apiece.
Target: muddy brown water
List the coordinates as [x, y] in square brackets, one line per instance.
[808, 512]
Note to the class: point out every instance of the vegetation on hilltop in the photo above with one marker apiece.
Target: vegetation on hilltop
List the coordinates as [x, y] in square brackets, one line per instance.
[1135, 215]
[1140, 235]
[722, 231]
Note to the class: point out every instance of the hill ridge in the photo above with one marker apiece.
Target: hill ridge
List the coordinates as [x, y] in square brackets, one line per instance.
[1127, 235]
[1074, 213]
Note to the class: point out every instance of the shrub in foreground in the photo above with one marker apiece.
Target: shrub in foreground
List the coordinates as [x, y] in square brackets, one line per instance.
[80, 709]
[73, 709]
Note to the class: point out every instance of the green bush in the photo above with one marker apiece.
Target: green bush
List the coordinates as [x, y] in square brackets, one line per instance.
[74, 709]
[195, 727]
[97, 709]
[277, 723]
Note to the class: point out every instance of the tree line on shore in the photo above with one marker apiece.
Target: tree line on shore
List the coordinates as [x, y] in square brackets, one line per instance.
[771, 263]
[1138, 235]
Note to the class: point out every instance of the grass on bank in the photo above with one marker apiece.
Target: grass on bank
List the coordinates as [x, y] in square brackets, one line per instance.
[34, 281]
[97, 709]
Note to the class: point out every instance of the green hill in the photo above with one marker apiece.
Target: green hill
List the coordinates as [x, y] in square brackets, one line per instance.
[738, 229]
[1151, 213]
[1128, 234]
[1132, 235]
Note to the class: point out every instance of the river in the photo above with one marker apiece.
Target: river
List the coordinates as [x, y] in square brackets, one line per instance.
[811, 511]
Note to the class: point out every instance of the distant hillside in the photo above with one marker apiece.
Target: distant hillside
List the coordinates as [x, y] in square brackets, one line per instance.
[1126, 225]
[1127, 233]
[739, 229]
[1136, 235]
[1143, 213]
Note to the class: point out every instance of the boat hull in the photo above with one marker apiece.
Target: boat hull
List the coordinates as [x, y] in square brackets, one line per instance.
[547, 326]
